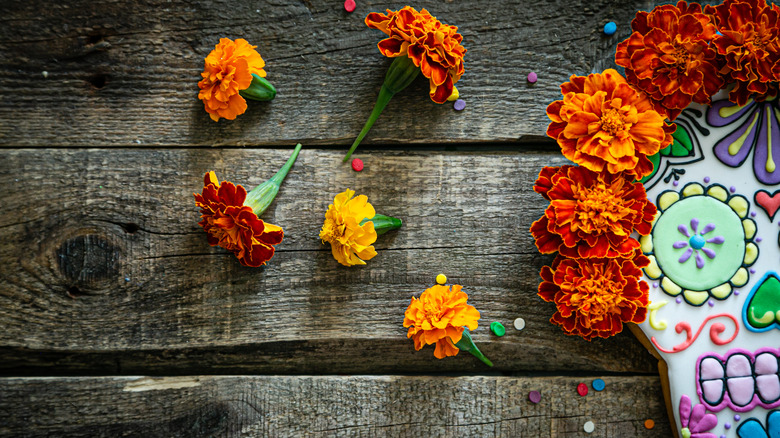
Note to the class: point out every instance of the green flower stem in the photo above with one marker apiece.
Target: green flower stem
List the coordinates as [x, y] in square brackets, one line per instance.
[261, 196]
[400, 74]
[467, 344]
[259, 89]
[383, 224]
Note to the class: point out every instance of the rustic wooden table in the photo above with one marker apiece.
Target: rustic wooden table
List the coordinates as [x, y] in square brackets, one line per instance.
[118, 317]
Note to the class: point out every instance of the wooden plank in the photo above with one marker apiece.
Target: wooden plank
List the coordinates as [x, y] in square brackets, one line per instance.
[354, 406]
[103, 267]
[125, 73]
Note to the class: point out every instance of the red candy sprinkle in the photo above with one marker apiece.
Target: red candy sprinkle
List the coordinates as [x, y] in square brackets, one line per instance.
[582, 389]
[357, 164]
[349, 5]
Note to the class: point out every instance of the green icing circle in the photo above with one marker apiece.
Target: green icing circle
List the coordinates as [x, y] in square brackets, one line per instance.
[729, 256]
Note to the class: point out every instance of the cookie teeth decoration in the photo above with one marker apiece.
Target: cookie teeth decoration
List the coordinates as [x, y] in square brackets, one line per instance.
[713, 276]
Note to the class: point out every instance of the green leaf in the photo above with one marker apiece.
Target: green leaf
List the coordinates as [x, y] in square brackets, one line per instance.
[383, 224]
[260, 89]
[467, 344]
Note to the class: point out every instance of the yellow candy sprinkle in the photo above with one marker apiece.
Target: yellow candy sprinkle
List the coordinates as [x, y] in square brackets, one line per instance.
[441, 279]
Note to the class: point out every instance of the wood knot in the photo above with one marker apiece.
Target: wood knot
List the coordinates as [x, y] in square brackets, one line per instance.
[87, 262]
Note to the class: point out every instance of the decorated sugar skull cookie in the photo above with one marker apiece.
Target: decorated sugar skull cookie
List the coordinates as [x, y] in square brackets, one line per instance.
[714, 271]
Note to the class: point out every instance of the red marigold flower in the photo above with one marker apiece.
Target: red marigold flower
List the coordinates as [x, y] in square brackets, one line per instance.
[233, 225]
[595, 296]
[590, 214]
[604, 124]
[669, 57]
[750, 46]
[432, 46]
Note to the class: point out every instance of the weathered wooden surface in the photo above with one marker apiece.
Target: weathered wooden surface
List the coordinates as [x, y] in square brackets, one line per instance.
[354, 406]
[104, 268]
[124, 73]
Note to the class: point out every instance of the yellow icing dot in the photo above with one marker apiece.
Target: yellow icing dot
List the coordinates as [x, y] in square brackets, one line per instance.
[454, 96]
[652, 270]
[646, 244]
[667, 199]
[740, 205]
[653, 308]
[693, 189]
[751, 253]
[718, 192]
[721, 291]
[441, 279]
[670, 287]
[740, 278]
[696, 297]
[750, 228]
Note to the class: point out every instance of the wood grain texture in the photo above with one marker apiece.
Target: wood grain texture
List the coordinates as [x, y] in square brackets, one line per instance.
[333, 406]
[124, 73]
[104, 269]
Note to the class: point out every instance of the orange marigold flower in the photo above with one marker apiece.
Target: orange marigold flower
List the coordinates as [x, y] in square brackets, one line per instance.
[432, 46]
[229, 68]
[438, 317]
[590, 214]
[233, 225]
[595, 296]
[604, 124]
[669, 57]
[750, 45]
[347, 230]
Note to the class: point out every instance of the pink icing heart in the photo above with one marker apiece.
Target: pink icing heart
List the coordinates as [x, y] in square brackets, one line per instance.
[770, 203]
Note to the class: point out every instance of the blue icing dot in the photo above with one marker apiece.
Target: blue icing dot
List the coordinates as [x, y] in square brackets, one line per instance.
[697, 241]
[610, 28]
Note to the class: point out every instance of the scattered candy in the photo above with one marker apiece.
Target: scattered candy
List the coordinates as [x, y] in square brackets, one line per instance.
[711, 303]
[357, 164]
[727, 425]
[532, 77]
[589, 427]
[706, 179]
[598, 385]
[349, 5]
[649, 424]
[459, 105]
[455, 95]
[441, 279]
[535, 396]
[45, 74]
[497, 328]
[732, 189]
[519, 323]
[582, 389]
[737, 417]
[610, 28]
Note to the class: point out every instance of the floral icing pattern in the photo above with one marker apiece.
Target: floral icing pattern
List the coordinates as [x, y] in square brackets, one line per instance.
[755, 128]
[696, 421]
[717, 248]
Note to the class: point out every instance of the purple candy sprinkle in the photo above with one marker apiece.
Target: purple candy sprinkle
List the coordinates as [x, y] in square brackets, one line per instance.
[532, 77]
[535, 396]
[723, 436]
[675, 183]
[752, 271]
[727, 425]
[706, 179]
[655, 284]
[736, 292]
[732, 189]
[758, 239]
[679, 300]
[753, 213]
[459, 105]
[737, 417]
[711, 303]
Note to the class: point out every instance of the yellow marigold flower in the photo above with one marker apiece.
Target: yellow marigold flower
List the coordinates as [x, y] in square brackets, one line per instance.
[349, 236]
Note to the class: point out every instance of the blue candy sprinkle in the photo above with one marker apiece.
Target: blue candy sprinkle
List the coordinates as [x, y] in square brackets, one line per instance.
[610, 28]
[598, 385]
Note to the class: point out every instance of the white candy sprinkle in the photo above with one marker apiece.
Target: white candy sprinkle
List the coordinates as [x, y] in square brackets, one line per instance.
[519, 323]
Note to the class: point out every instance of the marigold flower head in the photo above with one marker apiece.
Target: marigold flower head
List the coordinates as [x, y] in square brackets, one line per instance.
[750, 45]
[438, 317]
[432, 46]
[669, 57]
[595, 296]
[228, 70]
[350, 239]
[590, 214]
[604, 124]
[233, 225]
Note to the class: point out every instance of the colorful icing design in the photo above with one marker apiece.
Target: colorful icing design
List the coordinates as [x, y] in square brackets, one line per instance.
[769, 203]
[752, 428]
[715, 330]
[762, 307]
[740, 380]
[654, 322]
[695, 420]
[755, 128]
[701, 243]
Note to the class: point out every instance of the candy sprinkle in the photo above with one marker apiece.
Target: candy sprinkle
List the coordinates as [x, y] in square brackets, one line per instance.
[441, 279]
[532, 77]
[519, 323]
[357, 164]
[610, 28]
[582, 389]
[589, 427]
[497, 328]
[649, 424]
[349, 5]
[598, 385]
[535, 397]
[459, 105]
